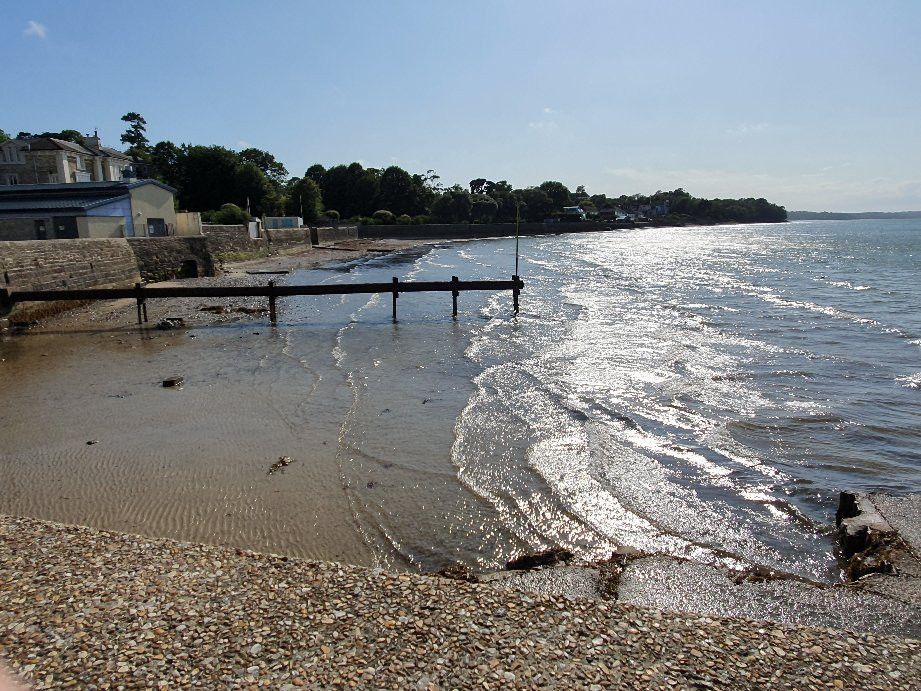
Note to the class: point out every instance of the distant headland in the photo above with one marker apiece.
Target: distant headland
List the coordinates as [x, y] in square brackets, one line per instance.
[840, 216]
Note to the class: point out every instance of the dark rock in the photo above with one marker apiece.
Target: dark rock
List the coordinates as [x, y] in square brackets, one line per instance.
[173, 381]
[866, 540]
[170, 323]
[533, 561]
[282, 462]
[457, 572]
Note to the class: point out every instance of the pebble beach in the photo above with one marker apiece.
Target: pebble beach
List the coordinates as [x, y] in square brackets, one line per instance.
[83, 608]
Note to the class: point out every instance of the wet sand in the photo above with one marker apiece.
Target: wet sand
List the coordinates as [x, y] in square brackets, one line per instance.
[89, 435]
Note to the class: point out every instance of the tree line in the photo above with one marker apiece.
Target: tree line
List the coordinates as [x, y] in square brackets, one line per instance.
[228, 186]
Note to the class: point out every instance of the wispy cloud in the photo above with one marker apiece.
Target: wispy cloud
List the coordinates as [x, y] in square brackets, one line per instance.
[35, 29]
[545, 122]
[746, 129]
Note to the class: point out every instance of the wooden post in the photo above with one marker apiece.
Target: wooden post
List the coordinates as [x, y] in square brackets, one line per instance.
[515, 293]
[272, 315]
[395, 296]
[454, 293]
[142, 304]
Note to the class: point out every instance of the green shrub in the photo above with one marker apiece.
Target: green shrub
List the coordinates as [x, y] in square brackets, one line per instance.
[228, 215]
[383, 216]
[404, 219]
[331, 214]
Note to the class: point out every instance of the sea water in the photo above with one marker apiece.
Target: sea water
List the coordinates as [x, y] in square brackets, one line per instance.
[703, 392]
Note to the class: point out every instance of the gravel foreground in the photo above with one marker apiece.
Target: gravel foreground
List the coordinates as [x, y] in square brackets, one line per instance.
[91, 609]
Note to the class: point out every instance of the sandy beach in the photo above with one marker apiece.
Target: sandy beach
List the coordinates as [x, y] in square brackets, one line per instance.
[90, 435]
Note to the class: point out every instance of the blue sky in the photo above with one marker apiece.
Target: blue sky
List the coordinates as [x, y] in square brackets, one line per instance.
[812, 104]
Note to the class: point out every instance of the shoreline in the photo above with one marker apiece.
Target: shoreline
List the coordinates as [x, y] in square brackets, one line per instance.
[105, 608]
[147, 352]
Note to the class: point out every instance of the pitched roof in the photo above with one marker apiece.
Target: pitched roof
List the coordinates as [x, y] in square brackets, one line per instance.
[58, 204]
[50, 144]
[74, 196]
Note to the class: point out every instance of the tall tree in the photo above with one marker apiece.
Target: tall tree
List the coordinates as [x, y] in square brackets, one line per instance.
[480, 186]
[167, 159]
[483, 208]
[558, 193]
[136, 135]
[315, 173]
[399, 193]
[212, 176]
[536, 204]
[4, 136]
[304, 199]
[64, 135]
[351, 190]
[274, 170]
[453, 206]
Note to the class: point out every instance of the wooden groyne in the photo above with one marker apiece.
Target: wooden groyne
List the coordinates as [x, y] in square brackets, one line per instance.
[141, 293]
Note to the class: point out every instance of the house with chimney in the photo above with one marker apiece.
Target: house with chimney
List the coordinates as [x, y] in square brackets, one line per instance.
[48, 161]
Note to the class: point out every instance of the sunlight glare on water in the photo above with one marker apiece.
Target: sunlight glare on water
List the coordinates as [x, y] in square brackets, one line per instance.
[703, 392]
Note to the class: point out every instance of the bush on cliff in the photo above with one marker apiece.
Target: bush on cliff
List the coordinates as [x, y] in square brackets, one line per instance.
[383, 216]
[228, 215]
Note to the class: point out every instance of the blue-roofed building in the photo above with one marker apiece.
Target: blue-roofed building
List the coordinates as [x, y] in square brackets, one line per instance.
[122, 209]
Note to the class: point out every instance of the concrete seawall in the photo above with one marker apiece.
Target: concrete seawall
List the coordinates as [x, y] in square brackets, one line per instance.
[455, 231]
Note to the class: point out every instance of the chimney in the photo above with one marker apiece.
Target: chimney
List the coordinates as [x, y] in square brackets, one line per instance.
[92, 142]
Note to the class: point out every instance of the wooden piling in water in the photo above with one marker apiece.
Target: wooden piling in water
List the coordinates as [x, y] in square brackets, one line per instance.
[141, 300]
[141, 293]
[272, 314]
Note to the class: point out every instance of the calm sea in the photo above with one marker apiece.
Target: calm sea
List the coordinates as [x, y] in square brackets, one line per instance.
[703, 392]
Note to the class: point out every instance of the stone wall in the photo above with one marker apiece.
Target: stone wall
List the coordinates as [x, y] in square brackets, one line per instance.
[447, 231]
[287, 238]
[162, 259]
[234, 241]
[61, 265]
[332, 234]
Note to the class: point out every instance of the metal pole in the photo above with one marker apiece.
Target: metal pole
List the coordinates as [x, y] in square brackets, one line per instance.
[517, 221]
[515, 290]
[272, 314]
[454, 293]
[395, 296]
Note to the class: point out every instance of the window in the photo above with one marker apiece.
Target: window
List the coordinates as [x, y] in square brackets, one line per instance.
[12, 179]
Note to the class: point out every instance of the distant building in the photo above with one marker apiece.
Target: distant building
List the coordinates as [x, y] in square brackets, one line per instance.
[573, 213]
[47, 161]
[280, 222]
[129, 208]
